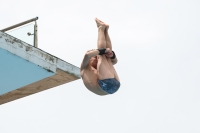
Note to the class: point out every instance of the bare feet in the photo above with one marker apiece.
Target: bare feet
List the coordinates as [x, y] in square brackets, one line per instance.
[100, 23]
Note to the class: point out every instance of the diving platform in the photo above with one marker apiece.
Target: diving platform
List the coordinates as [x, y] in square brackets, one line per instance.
[26, 70]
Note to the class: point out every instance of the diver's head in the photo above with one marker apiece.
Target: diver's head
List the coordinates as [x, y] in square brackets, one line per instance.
[93, 62]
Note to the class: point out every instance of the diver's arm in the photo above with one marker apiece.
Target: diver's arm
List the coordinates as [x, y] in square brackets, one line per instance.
[89, 54]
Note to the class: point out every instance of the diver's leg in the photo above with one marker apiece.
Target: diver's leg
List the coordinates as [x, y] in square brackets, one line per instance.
[101, 42]
[108, 41]
[107, 38]
[109, 45]
[103, 67]
[106, 61]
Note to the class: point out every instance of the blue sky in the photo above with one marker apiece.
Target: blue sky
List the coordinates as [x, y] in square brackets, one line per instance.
[157, 45]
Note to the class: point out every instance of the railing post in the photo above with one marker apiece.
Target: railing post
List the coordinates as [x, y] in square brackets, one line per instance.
[35, 35]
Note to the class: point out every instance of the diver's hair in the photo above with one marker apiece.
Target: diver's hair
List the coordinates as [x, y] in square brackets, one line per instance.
[113, 57]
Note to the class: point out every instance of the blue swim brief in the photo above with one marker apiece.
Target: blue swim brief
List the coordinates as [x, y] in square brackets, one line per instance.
[109, 85]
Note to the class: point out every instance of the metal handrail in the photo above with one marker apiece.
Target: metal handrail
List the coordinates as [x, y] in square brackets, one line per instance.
[23, 23]
[20, 24]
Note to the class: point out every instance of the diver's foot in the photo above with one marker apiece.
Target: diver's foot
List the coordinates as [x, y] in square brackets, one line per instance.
[100, 23]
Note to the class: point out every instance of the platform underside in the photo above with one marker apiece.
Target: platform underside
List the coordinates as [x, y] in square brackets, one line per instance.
[59, 78]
